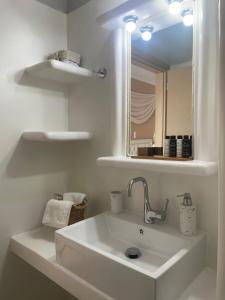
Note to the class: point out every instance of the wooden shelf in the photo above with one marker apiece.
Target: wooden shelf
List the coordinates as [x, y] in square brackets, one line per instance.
[192, 167]
[60, 136]
[59, 71]
[159, 157]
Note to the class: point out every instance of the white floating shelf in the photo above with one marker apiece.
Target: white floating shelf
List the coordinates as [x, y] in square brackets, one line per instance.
[59, 71]
[51, 136]
[194, 167]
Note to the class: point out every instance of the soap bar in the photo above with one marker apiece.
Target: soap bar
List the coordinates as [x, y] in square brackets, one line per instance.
[142, 151]
[150, 151]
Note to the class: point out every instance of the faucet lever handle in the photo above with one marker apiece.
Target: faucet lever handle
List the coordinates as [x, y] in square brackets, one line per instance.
[154, 215]
[166, 205]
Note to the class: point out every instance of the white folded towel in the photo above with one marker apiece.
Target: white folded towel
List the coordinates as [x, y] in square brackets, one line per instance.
[57, 213]
[76, 198]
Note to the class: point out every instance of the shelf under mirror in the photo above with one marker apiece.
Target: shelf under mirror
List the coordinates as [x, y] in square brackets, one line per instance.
[191, 167]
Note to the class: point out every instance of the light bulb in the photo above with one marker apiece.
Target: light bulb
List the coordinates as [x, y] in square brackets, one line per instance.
[175, 7]
[131, 23]
[131, 26]
[146, 32]
[146, 36]
[188, 18]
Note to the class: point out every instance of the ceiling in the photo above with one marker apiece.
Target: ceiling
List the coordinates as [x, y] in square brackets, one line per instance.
[171, 43]
[74, 4]
[65, 6]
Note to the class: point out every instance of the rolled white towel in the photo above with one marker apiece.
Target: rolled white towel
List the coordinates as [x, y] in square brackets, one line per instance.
[57, 213]
[76, 198]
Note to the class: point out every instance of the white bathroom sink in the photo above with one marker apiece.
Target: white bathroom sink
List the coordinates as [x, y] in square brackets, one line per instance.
[94, 249]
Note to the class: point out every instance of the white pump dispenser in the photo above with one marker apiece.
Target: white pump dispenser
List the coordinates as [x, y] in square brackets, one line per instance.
[188, 216]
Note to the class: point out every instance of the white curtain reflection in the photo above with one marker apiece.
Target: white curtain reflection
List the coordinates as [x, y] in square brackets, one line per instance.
[142, 107]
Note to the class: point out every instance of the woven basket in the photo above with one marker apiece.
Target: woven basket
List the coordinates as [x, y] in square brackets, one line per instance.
[77, 211]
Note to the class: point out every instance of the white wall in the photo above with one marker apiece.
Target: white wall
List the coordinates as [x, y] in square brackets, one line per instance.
[29, 172]
[61, 5]
[91, 107]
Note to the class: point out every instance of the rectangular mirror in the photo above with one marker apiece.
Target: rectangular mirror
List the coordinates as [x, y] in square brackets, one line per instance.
[161, 90]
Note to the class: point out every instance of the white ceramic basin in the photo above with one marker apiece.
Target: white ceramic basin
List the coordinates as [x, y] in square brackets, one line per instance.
[94, 250]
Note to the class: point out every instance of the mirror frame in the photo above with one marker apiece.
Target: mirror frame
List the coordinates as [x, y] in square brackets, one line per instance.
[205, 111]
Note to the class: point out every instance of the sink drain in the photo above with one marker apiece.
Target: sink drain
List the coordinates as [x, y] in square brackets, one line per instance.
[133, 253]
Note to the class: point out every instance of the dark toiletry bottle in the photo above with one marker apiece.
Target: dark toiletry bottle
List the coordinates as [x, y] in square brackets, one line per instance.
[186, 147]
[179, 145]
[191, 143]
[166, 150]
[173, 146]
[159, 151]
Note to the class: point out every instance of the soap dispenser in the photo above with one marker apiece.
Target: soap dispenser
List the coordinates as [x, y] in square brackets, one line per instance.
[188, 225]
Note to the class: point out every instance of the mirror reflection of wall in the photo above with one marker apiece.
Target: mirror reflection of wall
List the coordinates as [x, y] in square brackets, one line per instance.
[161, 86]
[179, 100]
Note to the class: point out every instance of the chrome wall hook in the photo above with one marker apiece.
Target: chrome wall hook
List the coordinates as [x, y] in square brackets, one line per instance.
[101, 73]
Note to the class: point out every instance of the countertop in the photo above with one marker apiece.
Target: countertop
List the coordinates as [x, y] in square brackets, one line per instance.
[37, 247]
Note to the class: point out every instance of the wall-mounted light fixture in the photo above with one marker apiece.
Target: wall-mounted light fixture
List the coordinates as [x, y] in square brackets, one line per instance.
[175, 6]
[131, 23]
[146, 32]
[188, 17]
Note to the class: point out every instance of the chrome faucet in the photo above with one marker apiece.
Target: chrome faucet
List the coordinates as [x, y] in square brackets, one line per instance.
[150, 216]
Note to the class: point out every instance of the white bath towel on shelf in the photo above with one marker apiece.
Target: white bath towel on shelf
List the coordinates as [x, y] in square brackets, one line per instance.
[76, 198]
[57, 213]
